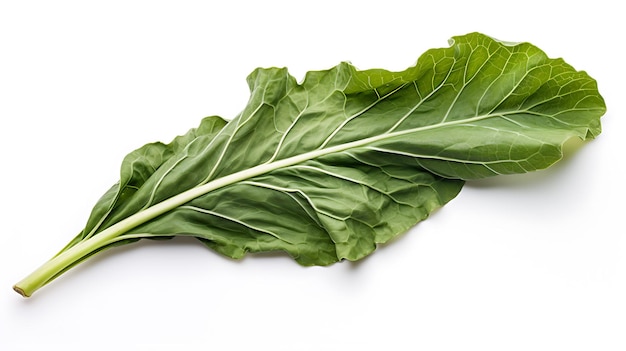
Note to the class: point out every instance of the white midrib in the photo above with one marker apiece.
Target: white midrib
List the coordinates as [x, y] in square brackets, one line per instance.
[175, 201]
[116, 232]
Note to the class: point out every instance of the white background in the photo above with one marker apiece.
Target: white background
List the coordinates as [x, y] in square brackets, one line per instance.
[531, 262]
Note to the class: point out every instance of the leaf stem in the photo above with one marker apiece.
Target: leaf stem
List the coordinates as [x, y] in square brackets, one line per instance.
[51, 269]
[58, 264]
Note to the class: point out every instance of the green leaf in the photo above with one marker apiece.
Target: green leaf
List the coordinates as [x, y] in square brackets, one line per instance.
[328, 168]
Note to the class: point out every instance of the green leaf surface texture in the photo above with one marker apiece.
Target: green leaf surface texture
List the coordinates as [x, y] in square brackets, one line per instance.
[328, 168]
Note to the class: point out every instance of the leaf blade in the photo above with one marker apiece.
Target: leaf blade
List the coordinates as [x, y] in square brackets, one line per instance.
[478, 108]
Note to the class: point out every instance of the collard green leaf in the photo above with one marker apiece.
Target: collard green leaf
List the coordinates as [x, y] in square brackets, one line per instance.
[328, 168]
